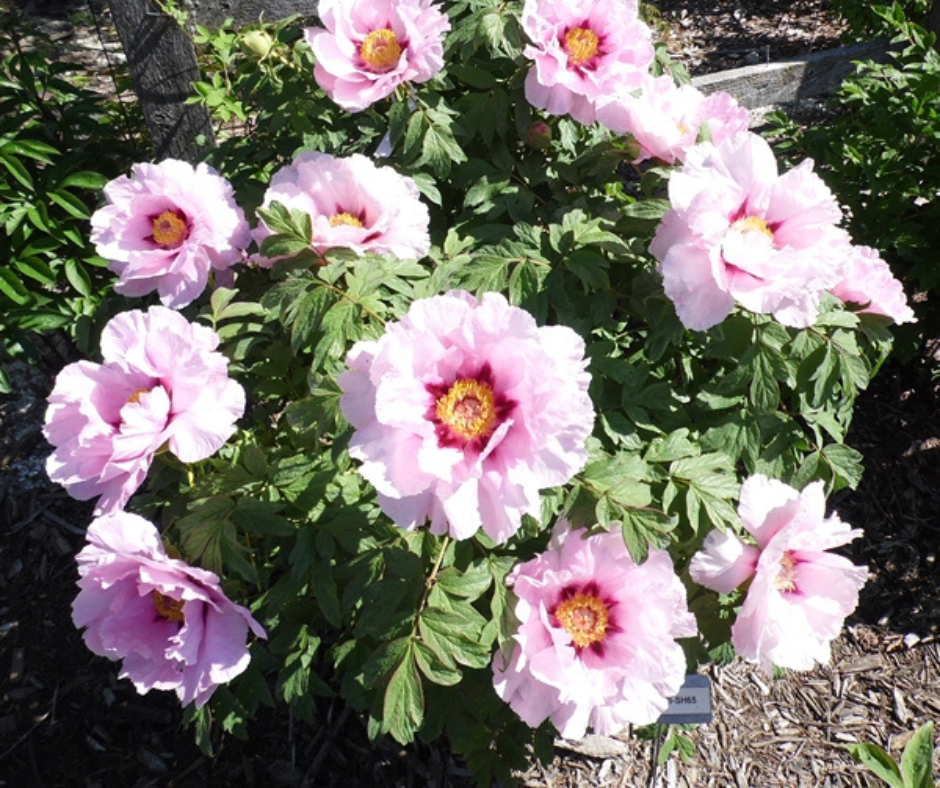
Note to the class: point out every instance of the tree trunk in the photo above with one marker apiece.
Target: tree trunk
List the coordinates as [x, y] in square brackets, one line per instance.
[163, 67]
[933, 22]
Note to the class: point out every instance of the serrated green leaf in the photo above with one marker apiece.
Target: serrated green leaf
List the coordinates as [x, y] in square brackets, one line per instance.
[433, 669]
[845, 462]
[469, 585]
[384, 660]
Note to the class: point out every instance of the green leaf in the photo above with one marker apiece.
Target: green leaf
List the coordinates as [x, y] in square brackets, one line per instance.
[433, 669]
[384, 660]
[878, 762]
[84, 179]
[17, 170]
[78, 277]
[653, 209]
[33, 149]
[403, 709]
[846, 464]
[469, 585]
[204, 530]
[917, 759]
[70, 203]
[37, 269]
[13, 288]
[642, 528]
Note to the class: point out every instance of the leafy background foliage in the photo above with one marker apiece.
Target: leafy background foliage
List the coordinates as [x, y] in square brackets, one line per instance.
[59, 144]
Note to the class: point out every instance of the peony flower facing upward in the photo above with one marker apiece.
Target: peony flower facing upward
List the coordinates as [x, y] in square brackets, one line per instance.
[666, 119]
[738, 232]
[367, 48]
[463, 410]
[169, 622]
[800, 593]
[166, 227]
[352, 204]
[868, 281]
[161, 383]
[582, 51]
[596, 644]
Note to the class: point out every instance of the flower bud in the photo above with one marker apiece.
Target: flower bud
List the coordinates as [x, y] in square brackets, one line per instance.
[257, 43]
[538, 136]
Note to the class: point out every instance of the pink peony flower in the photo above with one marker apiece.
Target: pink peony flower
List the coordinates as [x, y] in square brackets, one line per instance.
[583, 50]
[868, 281]
[596, 644]
[370, 47]
[666, 119]
[800, 593]
[738, 232]
[463, 410]
[162, 383]
[169, 622]
[166, 227]
[353, 204]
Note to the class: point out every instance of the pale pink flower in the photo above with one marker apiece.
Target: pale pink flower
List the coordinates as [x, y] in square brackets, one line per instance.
[738, 232]
[367, 48]
[596, 643]
[352, 204]
[169, 622]
[868, 281]
[583, 50]
[463, 410]
[800, 593]
[162, 383]
[166, 227]
[666, 119]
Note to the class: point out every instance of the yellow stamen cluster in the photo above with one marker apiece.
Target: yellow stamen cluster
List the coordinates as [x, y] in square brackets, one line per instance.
[135, 397]
[167, 607]
[752, 224]
[344, 218]
[468, 409]
[581, 44]
[169, 229]
[584, 617]
[380, 50]
[786, 578]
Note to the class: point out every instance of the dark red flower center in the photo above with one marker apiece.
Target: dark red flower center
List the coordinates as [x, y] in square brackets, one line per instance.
[468, 411]
[380, 50]
[584, 613]
[167, 607]
[581, 45]
[170, 229]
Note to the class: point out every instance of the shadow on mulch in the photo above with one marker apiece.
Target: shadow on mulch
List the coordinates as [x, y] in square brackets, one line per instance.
[897, 430]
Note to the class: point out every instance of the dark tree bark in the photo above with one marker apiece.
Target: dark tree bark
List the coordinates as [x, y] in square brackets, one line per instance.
[213, 13]
[163, 67]
[933, 22]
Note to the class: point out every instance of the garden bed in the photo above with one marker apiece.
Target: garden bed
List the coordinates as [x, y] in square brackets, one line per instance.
[64, 717]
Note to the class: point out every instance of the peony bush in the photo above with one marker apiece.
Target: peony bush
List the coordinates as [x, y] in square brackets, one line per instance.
[520, 402]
